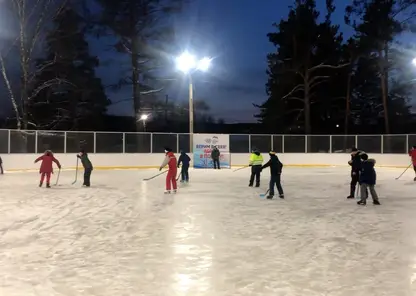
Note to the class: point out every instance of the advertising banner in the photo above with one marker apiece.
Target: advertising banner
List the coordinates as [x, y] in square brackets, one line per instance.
[203, 145]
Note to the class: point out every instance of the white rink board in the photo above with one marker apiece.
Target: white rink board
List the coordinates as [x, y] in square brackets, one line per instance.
[134, 161]
[216, 237]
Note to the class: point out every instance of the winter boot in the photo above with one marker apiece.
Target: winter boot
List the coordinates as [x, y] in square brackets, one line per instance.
[167, 191]
[376, 202]
[362, 202]
[40, 184]
[352, 192]
[258, 184]
[270, 197]
[282, 196]
[48, 185]
[250, 185]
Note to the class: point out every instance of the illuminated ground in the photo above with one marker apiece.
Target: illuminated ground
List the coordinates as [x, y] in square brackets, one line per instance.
[216, 237]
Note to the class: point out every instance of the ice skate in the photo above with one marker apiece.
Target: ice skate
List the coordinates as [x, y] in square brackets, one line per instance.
[175, 191]
[282, 196]
[250, 185]
[350, 197]
[270, 196]
[376, 202]
[257, 184]
[167, 192]
[361, 202]
[48, 185]
[40, 184]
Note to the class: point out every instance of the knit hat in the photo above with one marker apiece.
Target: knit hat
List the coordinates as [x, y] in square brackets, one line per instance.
[167, 149]
[354, 149]
[272, 153]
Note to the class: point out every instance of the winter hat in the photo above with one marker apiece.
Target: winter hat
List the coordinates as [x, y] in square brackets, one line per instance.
[272, 153]
[167, 149]
[414, 147]
[364, 156]
[354, 149]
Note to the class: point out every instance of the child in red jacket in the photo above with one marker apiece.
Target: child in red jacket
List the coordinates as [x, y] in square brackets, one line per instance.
[412, 154]
[46, 168]
[171, 161]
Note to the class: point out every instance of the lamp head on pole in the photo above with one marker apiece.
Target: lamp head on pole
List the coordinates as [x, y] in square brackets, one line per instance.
[144, 117]
[186, 62]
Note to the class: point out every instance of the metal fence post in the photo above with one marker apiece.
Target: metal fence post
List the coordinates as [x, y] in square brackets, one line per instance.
[330, 143]
[151, 142]
[124, 143]
[9, 142]
[407, 143]
[249, 143]
[356, 141]
[283, 143]
[95, 142]
[65, 135]
[271, 143]
[306, 144]
[177, 143]
[382, 144]
[36, 141]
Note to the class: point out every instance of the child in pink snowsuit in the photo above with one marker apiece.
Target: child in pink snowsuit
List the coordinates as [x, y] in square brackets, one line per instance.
[171, 161]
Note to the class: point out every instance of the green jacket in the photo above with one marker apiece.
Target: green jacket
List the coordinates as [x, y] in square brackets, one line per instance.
[215, 154]
[86, 163]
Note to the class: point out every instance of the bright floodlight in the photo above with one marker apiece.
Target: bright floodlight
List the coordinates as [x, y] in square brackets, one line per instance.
[186, 62]
[144, 117]
[414, 61]
[204, 64]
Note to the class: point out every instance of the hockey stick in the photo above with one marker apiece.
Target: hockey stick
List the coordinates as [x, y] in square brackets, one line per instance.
[264, 194]
[244, 167]
[57, 179]
[76, 173]
[147, 179]
[404, 172]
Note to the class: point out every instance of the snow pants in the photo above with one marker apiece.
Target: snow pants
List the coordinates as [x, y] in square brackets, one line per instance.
[171, 180]
[48, 178]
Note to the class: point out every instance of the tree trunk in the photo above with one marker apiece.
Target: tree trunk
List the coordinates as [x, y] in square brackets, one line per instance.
[384, 88]
[135, 81]
[24, 66]
[347, 111]
[307, 107]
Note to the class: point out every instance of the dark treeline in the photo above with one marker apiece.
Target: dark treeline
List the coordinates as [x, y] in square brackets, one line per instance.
[319, 82]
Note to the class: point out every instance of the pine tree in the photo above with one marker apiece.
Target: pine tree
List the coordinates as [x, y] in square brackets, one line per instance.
[79, 101]
[302, 85]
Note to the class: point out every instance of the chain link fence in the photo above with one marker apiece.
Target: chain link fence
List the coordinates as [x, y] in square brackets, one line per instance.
[20, 141]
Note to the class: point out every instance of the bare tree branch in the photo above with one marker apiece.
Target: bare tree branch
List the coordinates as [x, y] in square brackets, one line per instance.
[323, 66]
[294, 90]
[9, 89]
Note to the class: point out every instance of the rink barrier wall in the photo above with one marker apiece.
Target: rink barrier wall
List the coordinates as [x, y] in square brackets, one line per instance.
[108, 161]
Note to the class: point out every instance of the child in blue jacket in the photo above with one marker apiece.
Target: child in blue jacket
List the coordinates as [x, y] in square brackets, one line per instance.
[184, 159]
[368, 180]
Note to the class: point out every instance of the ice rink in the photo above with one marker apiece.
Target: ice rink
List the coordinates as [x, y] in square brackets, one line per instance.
[124, 237]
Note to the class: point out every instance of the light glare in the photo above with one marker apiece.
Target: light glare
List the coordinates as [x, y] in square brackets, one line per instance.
[204, 64]
[186, 62]
[414, 61]
[144, 117]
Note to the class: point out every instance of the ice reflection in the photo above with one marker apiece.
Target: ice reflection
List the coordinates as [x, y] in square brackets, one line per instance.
[192, 257]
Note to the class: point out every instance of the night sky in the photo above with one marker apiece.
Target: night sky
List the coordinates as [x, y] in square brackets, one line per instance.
[234, 32]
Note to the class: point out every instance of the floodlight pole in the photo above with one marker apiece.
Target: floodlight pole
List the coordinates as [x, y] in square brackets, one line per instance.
[191, 114]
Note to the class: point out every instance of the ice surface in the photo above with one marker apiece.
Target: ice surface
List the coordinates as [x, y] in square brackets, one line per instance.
[123, 236]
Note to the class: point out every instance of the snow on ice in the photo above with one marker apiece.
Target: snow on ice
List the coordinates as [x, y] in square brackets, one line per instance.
[123, 236]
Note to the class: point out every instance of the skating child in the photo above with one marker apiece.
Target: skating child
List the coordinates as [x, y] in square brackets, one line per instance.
[368, 180]
[412, 154]
[355, 164]
[46, 168]
[275, 174]
[86, 163]
[171, 161]
[184, 159]
[256, 161]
